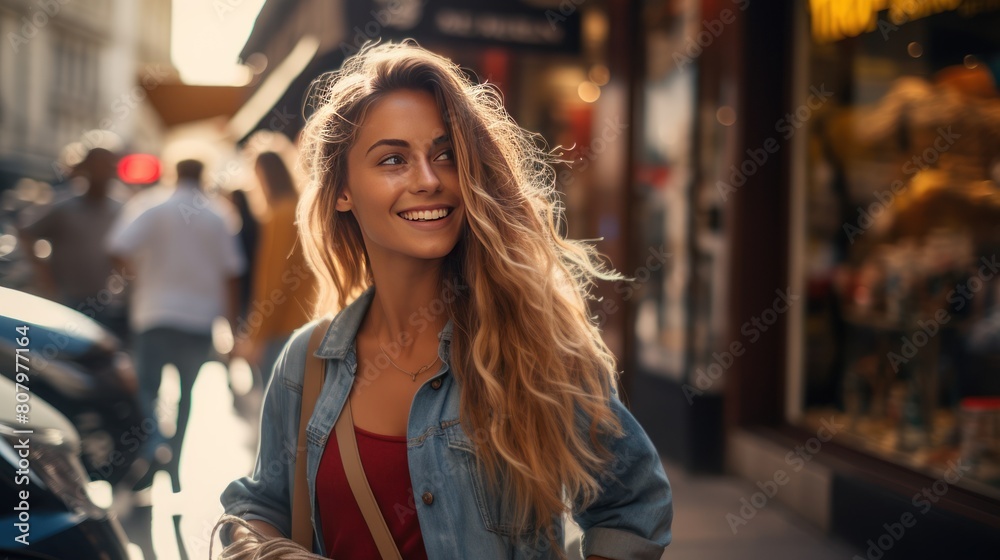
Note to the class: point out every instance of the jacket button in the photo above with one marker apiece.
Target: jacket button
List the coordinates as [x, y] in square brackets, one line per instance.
[436, 384]
[428, 498]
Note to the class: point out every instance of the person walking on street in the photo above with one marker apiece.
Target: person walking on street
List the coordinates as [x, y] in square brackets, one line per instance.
[77, 272]
[187, 263]
[283, 286]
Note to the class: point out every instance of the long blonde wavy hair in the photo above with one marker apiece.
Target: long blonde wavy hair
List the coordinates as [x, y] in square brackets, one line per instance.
[535, 375]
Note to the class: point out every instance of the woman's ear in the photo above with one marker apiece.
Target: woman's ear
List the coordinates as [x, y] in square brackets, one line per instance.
[344, 202]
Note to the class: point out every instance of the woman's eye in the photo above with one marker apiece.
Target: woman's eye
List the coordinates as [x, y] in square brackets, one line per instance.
[445, 156]
[391, 160]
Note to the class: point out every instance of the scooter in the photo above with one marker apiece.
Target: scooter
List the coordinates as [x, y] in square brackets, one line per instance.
[57, 511]
[82, 370]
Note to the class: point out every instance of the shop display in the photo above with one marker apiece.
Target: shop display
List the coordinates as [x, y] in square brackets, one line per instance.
[903, 323]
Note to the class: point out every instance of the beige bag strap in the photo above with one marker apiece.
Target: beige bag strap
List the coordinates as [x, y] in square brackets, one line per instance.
[363, 495]
[302, 530]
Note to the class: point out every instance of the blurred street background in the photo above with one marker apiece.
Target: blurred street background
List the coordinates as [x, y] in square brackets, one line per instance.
[803, 192]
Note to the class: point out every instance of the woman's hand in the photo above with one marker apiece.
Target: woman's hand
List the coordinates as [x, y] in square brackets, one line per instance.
[266, 529]
[256, 540]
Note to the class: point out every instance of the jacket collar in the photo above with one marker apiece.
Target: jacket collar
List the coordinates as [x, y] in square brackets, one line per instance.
[339, 338]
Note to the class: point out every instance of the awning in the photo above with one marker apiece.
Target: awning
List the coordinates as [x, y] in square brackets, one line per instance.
[181, 103]
[273, 88]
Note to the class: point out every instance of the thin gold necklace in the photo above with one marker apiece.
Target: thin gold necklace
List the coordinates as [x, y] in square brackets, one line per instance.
[413, 374]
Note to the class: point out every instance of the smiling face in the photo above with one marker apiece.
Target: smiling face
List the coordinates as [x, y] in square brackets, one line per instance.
[402, 183]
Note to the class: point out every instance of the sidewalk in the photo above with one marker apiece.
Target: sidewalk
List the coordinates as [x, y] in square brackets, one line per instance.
[700, 529]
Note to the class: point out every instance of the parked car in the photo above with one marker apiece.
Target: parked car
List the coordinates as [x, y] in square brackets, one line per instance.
[51, 514]
[81, 369]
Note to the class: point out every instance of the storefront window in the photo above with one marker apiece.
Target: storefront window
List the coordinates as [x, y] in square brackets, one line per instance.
[664, 183]
[902, 233]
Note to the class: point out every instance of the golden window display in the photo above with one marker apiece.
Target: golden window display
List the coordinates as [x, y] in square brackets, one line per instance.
[906, 302]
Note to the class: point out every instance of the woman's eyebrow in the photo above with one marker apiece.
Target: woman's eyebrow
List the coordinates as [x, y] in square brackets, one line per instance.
[389, 142]
[443, 139]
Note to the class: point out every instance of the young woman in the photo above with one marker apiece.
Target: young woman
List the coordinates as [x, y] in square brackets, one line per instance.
[483, 397]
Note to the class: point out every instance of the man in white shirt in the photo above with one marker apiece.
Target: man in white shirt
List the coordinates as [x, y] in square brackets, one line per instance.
[186, 263]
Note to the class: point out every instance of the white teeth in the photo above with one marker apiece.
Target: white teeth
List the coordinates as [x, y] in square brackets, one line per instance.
[425, 215]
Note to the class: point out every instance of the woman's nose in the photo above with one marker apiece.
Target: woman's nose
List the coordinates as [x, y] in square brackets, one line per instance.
[427, 179]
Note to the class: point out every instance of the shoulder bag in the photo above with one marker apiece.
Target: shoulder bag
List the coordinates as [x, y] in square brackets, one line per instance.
[302, 530]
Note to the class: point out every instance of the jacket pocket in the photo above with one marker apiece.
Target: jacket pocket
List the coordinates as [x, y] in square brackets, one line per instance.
[488, 503]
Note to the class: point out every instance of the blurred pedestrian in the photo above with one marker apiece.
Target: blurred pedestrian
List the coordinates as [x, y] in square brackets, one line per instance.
[78, 270]
[248, 236]
[187, 263]
[283, 286]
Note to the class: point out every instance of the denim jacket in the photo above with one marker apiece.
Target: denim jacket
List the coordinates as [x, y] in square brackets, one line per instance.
[458, 515]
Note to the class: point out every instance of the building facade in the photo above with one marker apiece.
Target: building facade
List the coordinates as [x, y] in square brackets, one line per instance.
[837, 326]
[69, 67]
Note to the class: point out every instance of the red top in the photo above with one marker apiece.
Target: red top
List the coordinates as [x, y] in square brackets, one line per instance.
[345, 532]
